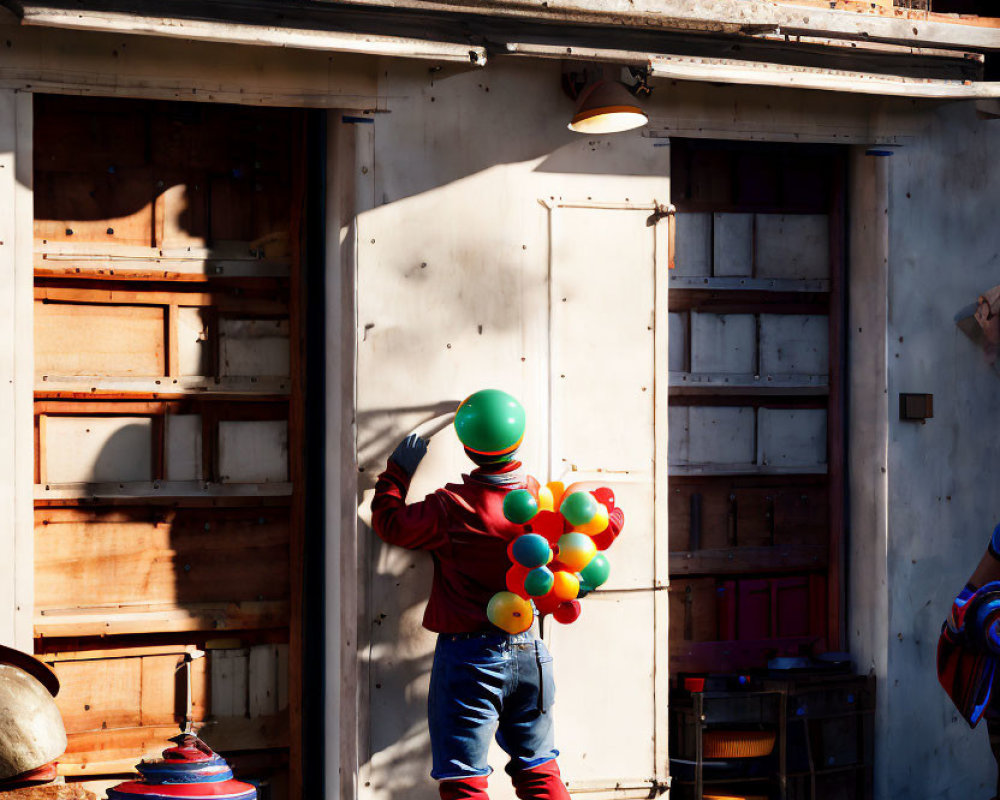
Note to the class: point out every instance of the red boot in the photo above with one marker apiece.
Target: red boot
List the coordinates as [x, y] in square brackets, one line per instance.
[540, 783]
[464, 789]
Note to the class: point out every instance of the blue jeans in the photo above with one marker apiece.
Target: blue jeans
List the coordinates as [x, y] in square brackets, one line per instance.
[486, 683]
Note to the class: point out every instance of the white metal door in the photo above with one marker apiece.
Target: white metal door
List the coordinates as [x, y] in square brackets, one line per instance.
[605, 336]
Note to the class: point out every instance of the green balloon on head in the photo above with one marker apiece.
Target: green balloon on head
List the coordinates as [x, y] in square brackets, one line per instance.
[597, 571]
[579, 508]
[490, 422]
[519, 506]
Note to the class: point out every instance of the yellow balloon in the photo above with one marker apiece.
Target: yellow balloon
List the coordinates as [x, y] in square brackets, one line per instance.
[597, 524]
[545, 500]
[557, 488]
[510, 612]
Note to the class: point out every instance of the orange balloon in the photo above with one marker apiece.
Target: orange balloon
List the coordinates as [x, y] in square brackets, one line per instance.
[566, 586]
[558, 490]
[597, 524]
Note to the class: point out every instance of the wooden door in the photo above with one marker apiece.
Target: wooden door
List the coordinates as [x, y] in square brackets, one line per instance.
[168, 428]
[756, 398]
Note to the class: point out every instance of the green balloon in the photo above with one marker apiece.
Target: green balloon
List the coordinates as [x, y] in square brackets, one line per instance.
[579, 508]
[519, 506]
[597, 571]
[490, 422]
[539, 581]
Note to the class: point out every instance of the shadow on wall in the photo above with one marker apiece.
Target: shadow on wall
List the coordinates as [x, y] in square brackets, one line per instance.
[391, 639]
[227, 567]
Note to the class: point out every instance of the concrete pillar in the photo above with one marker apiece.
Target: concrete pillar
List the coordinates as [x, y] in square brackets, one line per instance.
[868, 414]
[16, 371]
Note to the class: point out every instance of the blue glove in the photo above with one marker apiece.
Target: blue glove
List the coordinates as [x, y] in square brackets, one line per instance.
[409, 453]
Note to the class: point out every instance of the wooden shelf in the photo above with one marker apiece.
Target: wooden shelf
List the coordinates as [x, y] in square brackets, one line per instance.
[709, 470]
[691, 282]
[690, 383]
[77, 385]
[134, 618]
[110, 267]
[735, 655]
[747, 560]
[144, 490]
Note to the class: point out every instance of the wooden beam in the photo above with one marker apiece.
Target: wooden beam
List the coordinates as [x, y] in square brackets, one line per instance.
[784, 76]
[237, 33]
[222, 300]
[728, 16]
[164, 387]
[248, 408]
[101, 621]
[837, 412]
[733, 655]
[171, 334]
[154, 269]
[746, 560]
[41, 445]
[295, 664]
[148, 491]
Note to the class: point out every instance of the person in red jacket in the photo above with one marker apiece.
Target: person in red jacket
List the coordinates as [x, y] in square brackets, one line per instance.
[483, 681]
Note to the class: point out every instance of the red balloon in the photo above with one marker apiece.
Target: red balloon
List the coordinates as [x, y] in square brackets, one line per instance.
[567, 612]
[549, 524]
[547, 604]
[515, 580]
[604, 539]
[532, 486]
[606, 496]
[510, 551]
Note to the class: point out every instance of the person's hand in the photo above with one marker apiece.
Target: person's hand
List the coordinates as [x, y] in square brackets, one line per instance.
[409, 453]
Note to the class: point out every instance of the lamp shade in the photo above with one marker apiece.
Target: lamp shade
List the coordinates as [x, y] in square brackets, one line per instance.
[607, 107]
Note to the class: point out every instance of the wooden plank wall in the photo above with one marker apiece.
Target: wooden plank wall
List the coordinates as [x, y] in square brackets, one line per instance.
[167, 458]
[756, 429]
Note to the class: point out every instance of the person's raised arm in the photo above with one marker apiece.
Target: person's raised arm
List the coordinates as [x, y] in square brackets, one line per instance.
[419, 526]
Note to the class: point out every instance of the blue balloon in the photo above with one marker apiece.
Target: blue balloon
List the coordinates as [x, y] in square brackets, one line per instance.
[531, 550]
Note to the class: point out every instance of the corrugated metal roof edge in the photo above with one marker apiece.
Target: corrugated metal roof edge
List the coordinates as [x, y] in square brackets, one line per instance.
[310, 25]
[729, 17]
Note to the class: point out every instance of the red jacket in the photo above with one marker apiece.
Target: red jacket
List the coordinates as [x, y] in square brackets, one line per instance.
[466, 533]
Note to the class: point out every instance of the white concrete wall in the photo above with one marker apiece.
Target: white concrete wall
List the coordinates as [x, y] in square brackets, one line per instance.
[944, 249]
[16, 372]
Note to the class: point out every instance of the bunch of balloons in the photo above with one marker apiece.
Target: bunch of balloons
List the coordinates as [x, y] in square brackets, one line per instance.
[558, 560]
